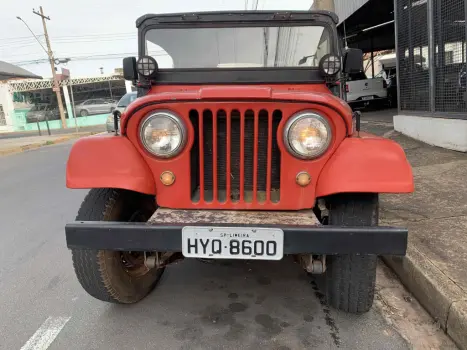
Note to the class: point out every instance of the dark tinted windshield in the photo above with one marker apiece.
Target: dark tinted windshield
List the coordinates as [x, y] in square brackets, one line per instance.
[239, 47]
[126, 100]
[357, 76]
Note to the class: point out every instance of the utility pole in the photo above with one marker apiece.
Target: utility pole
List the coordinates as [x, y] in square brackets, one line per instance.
[327, 5]
[56, 87]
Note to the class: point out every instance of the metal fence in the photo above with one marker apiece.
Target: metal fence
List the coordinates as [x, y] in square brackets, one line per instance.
[431, 44]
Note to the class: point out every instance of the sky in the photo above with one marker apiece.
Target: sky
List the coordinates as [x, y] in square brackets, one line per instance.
[96, 33]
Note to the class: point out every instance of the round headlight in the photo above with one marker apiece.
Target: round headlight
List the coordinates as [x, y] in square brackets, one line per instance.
[146, 66]
[307, 135]
[163, 134]
[330, 64]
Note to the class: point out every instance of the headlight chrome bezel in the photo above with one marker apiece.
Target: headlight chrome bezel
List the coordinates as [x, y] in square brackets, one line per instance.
[180, 124]
[304, 115]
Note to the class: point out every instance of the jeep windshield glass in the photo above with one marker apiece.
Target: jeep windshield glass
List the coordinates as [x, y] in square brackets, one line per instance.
[239, 47]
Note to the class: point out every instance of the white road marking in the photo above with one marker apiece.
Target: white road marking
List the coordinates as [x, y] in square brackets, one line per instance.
[46, 333]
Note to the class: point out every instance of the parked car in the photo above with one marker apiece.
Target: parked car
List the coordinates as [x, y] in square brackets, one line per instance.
[121, 106]
[95, 106]
[54, 112]
[39, 113]
[36, 113]
[390, 76]
[362, 92]
[236, 163]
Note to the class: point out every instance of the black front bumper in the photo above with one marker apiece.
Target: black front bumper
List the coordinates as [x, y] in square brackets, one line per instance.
[317, 239]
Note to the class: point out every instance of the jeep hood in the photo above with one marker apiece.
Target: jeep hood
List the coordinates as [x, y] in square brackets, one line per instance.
[317, 94]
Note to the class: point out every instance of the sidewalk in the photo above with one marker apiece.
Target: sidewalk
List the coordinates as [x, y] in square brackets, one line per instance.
[17, 145]
[54, 132]
[435, 268]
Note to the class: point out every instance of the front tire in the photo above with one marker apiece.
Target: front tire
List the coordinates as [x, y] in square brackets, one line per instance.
[112, 276]
[84, 113]
[350, 278]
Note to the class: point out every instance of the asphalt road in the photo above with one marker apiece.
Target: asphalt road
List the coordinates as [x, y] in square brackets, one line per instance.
[196, 306]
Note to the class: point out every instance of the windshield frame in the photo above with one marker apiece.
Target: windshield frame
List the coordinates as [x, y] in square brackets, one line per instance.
[253, 75]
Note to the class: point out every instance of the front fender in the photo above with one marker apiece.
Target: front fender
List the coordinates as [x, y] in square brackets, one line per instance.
[108, 162]
[366, 164]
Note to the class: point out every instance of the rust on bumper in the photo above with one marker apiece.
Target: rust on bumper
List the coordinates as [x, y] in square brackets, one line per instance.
[234, 217]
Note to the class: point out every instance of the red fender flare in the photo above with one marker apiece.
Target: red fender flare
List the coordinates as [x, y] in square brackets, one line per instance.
[108, 162]
[366, 164]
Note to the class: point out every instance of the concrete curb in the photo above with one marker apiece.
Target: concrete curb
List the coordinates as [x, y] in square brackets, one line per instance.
[32, 146]
[438, 294]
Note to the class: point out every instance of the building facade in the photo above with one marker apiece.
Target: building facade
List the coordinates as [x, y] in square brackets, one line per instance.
[432, 71]
[18, 97]
[430, 39]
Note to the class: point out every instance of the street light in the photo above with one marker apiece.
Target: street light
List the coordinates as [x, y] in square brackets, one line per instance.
[34, 35]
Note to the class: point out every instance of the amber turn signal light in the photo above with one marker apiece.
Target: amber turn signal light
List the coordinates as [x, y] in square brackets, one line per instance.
[167, 178]
[303, 179]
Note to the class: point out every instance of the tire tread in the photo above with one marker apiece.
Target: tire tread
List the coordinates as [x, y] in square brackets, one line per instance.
[350, 279]
[91, 265]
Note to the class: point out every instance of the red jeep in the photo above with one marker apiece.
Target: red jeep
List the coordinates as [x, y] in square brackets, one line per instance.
[236, 149]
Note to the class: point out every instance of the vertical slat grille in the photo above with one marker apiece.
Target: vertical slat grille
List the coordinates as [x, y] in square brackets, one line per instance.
[235, 161]
[235, 156]
[206, 131]
[228, 142]
[248, 141]
[221, 156]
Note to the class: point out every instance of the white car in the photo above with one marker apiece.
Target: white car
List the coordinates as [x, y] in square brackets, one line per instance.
[121, 106]
[362, 91]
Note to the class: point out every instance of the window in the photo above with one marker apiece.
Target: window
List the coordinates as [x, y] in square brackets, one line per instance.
[251, 47]
[357, 76]
[449, 57]
[126, 100]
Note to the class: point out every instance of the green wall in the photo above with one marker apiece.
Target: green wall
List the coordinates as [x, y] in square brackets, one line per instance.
[19, 121]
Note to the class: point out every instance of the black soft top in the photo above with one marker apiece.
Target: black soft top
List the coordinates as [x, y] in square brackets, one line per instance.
[236, 17]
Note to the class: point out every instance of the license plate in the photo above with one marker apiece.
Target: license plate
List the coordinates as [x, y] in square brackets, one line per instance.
[368, 98]
[233, 243]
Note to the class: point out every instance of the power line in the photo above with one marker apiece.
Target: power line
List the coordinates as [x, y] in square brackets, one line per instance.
[25, 54]
[64, 42]
[28, 40]
[19, 45]
[73, 38]
[94, 35]
[87, 38]
[91, 40]
[110, 35]
[92, 57]
[14, 38]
